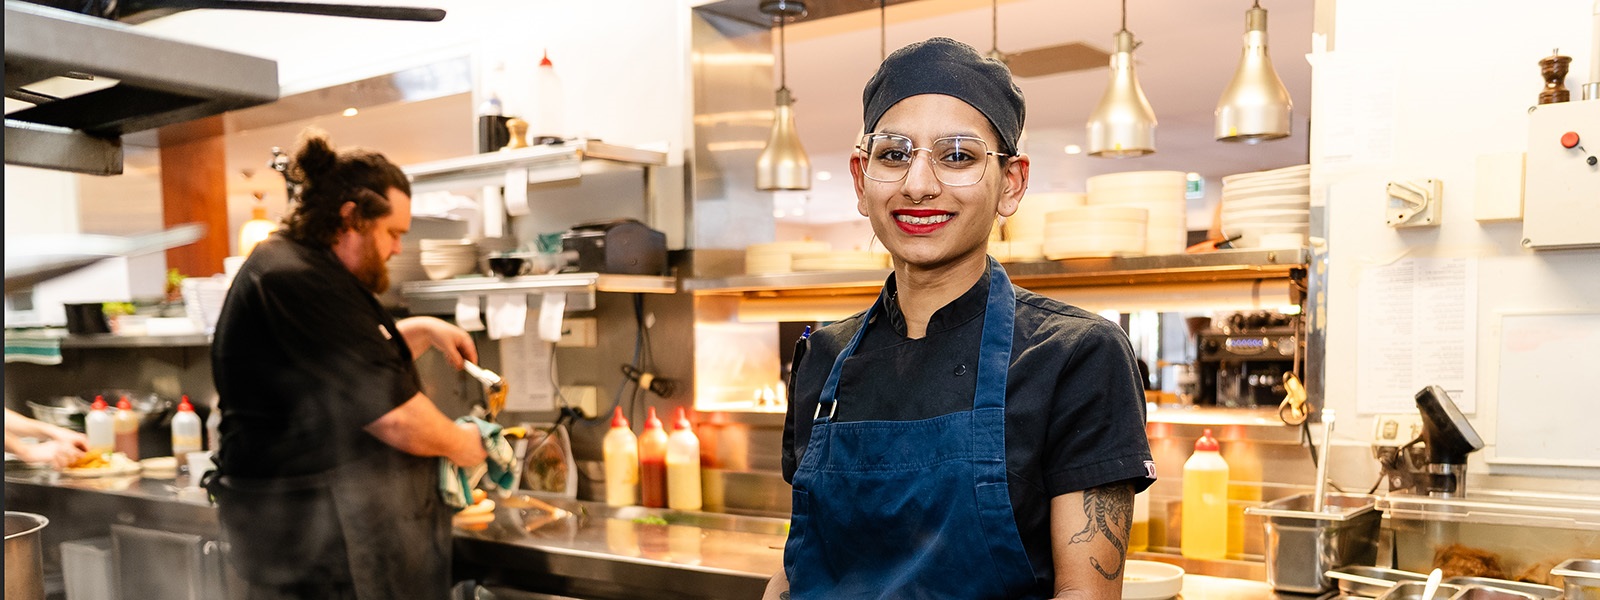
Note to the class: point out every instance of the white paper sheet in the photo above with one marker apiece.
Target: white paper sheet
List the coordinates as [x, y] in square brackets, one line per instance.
[1417, 327]
[508, 315]
[517, 192]
[1355, 125]
[467, 312]
[551, 309]
[525, 363]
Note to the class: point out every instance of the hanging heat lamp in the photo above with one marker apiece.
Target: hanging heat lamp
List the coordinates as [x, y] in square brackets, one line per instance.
[783, 165]
[1123, 126]
[1256, 106]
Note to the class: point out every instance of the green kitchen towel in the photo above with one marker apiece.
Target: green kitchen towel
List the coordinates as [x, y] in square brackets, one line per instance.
[36, 350]
[456, 483]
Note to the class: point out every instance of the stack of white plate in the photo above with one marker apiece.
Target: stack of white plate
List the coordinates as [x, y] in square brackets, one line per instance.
[1160, 193]
[1029, 220]
[202, 300]
[1095, 232]
[842, 260]
[446, 258]
[778, 257]
[1267, 209]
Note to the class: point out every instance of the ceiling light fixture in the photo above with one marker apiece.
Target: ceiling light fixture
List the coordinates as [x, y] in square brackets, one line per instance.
[1123, 125]
[1256, 106]
[783, 165]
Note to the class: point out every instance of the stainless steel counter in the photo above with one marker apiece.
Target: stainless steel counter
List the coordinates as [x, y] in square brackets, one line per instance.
[582, 550]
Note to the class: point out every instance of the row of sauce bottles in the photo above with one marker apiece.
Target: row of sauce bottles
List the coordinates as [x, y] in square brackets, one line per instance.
[654, 469]
[119, 432]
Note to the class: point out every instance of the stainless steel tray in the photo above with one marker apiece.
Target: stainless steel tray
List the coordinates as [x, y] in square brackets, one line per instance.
[1370, 581]
[1545, 592]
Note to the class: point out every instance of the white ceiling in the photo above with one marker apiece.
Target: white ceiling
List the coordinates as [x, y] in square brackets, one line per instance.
[1190, 50]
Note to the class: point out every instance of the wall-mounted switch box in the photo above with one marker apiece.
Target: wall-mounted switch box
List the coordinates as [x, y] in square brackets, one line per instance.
[584, 398]
[579, 333]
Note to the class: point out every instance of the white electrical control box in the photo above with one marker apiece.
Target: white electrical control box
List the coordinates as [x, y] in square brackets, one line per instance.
[1561, 189]
[1397, 429]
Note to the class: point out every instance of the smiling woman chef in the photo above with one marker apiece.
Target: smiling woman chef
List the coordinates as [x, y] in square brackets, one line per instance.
[962, 438]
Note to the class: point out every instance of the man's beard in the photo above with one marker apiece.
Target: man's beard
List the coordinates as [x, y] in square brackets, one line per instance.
[373, 272]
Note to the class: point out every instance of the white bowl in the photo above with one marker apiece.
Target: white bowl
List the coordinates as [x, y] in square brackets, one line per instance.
[1301, 201]
[1096, 214]
[1150, 580]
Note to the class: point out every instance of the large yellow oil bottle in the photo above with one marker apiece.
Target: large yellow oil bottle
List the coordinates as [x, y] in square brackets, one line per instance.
[1205, 502]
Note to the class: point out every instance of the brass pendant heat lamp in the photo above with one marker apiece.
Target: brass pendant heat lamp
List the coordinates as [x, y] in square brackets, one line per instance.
[783, 164]
[1256, 106]
[1123, 126]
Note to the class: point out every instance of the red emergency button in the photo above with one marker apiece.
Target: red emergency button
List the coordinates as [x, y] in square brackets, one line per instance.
[1569, 139]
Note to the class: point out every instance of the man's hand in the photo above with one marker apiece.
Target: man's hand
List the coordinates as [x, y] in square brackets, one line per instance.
[471, 453]
[422, 333]
[56, 454]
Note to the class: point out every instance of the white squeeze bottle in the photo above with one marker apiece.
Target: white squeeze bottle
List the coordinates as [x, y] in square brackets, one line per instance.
[683, 465]
[622, 462]
[100, 427]
[1205, 501]
[185, 431]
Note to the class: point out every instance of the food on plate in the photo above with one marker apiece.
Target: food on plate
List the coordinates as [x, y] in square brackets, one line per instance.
[93, 460]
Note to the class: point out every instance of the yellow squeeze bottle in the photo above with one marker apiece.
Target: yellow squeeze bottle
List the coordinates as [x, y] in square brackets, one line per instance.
[622, 462]
[683, 465]
[1139, 536]
[1205, 502]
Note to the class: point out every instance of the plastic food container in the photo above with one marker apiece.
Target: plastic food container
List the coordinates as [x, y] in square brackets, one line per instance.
[1302, 546]
[1581, 578]
[1370, 581]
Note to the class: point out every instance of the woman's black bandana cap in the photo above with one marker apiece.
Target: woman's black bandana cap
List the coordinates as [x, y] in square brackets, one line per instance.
[945, 66]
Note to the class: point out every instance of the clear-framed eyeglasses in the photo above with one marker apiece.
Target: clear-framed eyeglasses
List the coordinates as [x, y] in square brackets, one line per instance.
[957, 161]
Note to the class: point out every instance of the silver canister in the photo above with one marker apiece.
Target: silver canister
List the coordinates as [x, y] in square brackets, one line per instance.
[24, 562]
[1302, 545]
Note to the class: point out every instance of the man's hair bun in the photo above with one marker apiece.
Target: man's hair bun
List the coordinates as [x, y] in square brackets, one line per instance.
[316, 157]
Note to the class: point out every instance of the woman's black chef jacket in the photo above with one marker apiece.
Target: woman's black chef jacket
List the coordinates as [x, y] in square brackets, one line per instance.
[1075, 411]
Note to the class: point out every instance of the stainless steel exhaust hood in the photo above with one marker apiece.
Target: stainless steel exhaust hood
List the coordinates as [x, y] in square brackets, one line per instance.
[155, 82]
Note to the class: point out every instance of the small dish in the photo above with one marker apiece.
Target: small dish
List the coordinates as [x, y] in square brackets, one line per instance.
[1151, 580]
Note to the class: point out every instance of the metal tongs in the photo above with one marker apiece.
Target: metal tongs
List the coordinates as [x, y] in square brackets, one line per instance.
[494, 388]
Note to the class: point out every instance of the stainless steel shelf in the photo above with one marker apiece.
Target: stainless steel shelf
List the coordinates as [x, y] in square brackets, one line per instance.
[1222, 265]
[108, 340]
[562, 282]
[544, 163]
[157, 82]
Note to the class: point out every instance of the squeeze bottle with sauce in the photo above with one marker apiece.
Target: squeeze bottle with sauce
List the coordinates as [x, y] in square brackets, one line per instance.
[100, 428]
[1205, 501]
[653, 463]
[622, 462]
[683, 465]
[126, 424]
[185, 432]
[1139, 536]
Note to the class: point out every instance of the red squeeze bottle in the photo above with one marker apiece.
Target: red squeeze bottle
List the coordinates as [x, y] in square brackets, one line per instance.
[653, 463]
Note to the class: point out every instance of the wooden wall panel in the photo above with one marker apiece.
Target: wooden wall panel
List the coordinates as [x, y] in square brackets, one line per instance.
[194, 189]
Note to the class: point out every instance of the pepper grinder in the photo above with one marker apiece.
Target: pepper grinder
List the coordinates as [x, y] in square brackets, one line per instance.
[1553, 69]
[519, 134]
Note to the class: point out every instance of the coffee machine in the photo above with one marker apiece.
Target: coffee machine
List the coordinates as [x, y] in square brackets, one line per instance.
[1242, 364]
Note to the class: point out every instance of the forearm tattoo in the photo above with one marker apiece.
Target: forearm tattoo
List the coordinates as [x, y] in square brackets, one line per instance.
[1110, 512]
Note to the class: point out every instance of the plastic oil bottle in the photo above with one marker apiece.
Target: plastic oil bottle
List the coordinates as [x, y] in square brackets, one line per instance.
[126, 425]
[683, 465]
[1205, 501]
[1139, 536]
[622, 462]
[100, 427]
[653, 463]
[185, 432]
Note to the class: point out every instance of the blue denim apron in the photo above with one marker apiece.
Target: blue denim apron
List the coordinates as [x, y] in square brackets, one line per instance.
[912, 509]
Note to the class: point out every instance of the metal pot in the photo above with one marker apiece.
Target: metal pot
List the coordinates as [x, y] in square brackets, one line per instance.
[24, 562]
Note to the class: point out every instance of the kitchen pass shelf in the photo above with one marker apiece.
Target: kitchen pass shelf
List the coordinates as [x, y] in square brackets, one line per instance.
[543, 164]
[539, 284]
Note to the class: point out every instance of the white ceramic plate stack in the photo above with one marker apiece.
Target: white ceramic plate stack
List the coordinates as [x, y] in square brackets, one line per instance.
[202, 300]
[1095, 232]
[1025, 230]
[443, 259]
[842, 260]
[778, 257]
[1160, 193]
[1268, 209]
